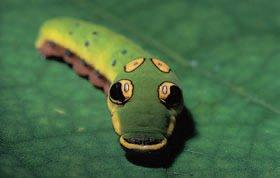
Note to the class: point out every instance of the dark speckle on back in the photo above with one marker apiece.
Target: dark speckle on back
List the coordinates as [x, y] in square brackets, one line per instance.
[114, 62]
[94, 33]
[51, 44]
[68, 53]
[124, 51]
[86, 43]
[82, 61]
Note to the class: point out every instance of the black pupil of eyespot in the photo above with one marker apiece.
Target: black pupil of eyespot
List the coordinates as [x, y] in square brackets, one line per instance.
[174, 98]
[116, 92]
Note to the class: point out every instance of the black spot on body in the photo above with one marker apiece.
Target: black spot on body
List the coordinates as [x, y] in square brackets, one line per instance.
[100, 76]
[83, 62]
[87, 43]
[51, 44]
[96, 73]
[124, 51]
[116, 93]
[114, 62]
[86, 64]
[68, 53]
[94, 33]
[174, 98]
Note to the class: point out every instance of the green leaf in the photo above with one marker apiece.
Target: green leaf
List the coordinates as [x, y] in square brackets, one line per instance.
[55, 124]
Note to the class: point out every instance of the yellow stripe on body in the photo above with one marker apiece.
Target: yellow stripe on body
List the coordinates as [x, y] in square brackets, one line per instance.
[103, 47]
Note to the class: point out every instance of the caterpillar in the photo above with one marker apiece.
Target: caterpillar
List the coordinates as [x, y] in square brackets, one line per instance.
[143, 94]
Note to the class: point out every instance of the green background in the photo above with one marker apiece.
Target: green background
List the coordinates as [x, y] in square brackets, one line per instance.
[227, 53]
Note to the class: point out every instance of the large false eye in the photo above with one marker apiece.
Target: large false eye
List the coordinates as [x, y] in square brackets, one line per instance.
[170, 94]
[121, 91]
[161, 65]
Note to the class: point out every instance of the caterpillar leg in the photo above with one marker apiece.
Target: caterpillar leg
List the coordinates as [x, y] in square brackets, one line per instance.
[50, 49]
[80, 68]
[99, 80]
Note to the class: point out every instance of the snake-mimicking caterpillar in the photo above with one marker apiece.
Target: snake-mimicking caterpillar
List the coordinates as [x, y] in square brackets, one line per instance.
[143, 94]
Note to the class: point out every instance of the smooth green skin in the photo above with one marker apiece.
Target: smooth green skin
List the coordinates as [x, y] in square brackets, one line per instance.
[144, 114]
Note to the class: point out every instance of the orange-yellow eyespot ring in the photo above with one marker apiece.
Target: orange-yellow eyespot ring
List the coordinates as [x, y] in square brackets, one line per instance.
[170, 95]
[164, 90]
[127, 88]
[133, 65]
[121, 91]
[161, 65]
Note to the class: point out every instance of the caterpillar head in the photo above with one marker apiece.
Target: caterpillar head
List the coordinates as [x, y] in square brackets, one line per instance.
[144, 101]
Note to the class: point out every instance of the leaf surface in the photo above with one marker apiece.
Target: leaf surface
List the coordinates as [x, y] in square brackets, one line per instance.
[54, 124]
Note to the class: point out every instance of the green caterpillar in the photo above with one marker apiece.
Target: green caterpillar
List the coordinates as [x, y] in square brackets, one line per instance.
[143, 94]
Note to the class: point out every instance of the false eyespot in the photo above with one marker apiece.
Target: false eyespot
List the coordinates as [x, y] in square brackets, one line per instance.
[121, 91]
[133, 65]
[160, 65]
[169, 94]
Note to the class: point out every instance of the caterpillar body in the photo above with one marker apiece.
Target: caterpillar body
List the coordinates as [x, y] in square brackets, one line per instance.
[143, 94]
